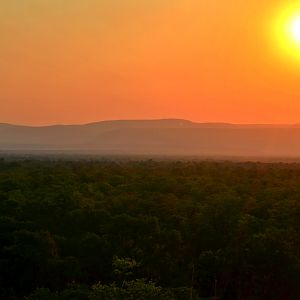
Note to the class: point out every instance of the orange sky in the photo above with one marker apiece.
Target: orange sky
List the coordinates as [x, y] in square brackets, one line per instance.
[76, 61]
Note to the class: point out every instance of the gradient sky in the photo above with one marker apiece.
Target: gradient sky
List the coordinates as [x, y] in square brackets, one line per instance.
[76, 61]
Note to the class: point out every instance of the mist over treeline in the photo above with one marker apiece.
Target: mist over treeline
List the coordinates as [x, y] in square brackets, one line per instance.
[149, 229]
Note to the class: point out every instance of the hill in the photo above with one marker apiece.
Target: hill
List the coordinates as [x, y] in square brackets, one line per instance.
[155, 137]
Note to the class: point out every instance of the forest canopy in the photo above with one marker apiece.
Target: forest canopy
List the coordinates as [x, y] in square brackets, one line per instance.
[92, 230]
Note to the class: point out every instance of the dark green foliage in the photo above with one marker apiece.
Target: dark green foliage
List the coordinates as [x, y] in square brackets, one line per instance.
[149, 230]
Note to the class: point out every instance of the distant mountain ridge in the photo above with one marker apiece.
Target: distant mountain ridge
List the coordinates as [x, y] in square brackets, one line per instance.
[162, 137]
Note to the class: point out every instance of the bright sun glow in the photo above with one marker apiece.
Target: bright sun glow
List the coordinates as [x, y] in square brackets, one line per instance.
[287, 30]
[295, 29]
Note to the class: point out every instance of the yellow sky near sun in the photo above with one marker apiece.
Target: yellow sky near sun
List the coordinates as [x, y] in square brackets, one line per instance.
[70, 61]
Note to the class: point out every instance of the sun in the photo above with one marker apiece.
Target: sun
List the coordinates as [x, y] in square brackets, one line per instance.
[295, 29]
[286, 30]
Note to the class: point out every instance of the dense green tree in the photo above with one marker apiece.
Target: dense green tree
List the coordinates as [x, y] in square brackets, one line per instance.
[125, 229]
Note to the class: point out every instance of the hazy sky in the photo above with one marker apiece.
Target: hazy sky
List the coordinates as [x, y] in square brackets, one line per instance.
[75, 61]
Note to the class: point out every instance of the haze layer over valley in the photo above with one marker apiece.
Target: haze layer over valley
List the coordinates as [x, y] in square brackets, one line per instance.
[155, 137]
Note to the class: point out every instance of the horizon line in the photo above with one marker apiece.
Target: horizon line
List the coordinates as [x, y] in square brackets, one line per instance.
[145, 120]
